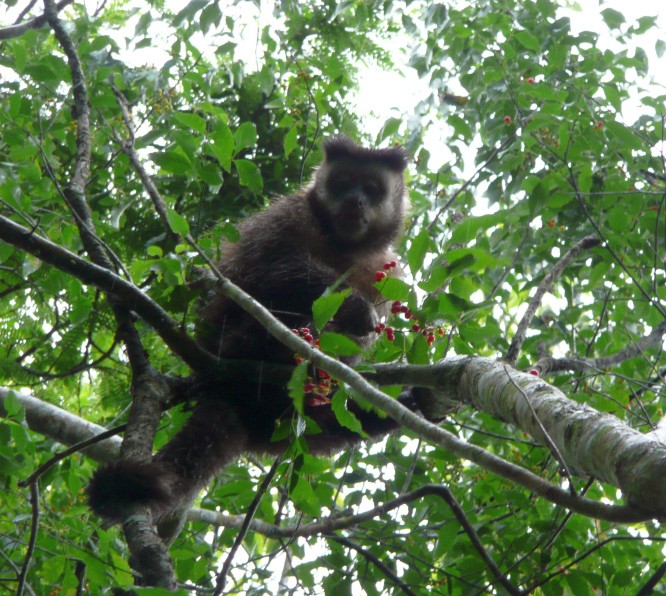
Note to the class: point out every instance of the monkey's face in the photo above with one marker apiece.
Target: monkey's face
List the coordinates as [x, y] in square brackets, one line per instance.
[360, 199]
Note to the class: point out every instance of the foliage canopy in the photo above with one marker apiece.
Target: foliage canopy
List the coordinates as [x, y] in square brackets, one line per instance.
[526, 137]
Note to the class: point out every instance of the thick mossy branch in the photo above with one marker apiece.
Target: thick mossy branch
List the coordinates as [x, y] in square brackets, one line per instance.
[591, 443]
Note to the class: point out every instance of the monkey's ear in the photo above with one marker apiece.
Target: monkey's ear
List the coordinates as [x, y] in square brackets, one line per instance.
[342, 147]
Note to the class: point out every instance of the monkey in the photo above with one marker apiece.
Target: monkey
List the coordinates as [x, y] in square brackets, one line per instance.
[340, 226]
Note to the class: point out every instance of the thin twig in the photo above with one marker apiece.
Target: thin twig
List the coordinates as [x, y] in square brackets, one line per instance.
[542, 288]
[80, 446]
[552, 365]
[34, 528]
[366, 554]
[471, 179]
[222, 576]
[546, 437]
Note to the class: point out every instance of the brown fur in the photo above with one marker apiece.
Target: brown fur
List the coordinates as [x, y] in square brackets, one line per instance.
[344, 222]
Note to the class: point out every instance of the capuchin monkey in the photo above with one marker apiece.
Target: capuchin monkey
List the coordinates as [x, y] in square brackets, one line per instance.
[339, 229]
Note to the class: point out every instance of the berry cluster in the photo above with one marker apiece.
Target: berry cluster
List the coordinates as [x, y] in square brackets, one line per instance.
[324, 386]
[319, 393]
[427, 331]
[306, 334]
[380, 275]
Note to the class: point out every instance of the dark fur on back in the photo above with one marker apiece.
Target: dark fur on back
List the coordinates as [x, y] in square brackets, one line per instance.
[287, 256]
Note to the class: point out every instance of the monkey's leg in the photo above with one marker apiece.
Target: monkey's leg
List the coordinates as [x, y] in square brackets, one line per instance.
[211, 439]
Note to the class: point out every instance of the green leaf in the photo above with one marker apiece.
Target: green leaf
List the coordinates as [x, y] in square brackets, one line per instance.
[249, 175]
[222, 144]
[394, 289]
[296, 384]
[13, 407]
[612, 17]
[618, 219]
[624, 136]
[418, 249]
[460, 126]
[660, 47]
[305, 498]
[325, 307]
[343, 415]
[418, 353]
[468, 229]
[189, 120]
[389, 129]
[174, 161]
[290, 141]
[528, 40]
[177, 222]
[337, 344]
[210, 17]
[210, 173]
[451, 305]
[246, 136]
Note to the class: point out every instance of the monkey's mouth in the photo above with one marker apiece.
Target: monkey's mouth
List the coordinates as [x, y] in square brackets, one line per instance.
[354, 218]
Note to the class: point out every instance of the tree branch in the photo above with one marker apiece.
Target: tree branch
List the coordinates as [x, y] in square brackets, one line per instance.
[59, 425]
[592, 443]
[115, 286]
[20, 28]
[149, 388]
[545, 285]
[549, 364]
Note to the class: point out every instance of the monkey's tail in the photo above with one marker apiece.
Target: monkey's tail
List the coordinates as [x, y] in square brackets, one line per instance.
[117, 487]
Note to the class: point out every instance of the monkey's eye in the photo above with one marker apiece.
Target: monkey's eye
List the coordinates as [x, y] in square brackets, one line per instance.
[339, 186]
[372, 189]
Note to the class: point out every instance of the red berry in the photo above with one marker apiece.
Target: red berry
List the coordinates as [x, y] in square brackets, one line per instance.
[309, 387]
[530, 80]
[534, 372]
[393, 264]
[408, 314]
[507, 119]
[416, 328]
[387, 266]
[430, 339]
[379, 275]
[318, 400]
[296, 331]
[599, 124]
[378, 329]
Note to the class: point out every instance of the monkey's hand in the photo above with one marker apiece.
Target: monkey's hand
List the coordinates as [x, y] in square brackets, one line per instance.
[433, 405]
[356, 316]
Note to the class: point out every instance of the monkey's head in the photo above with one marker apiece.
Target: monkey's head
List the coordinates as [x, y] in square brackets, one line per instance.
[358, 195]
